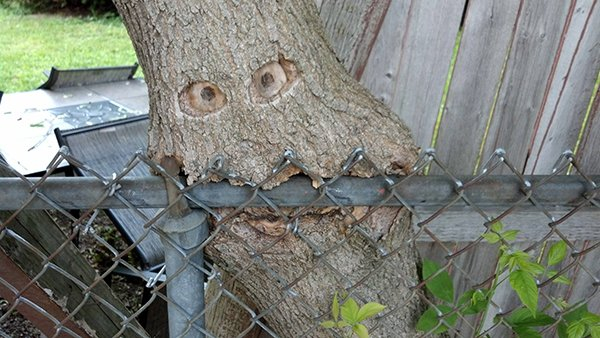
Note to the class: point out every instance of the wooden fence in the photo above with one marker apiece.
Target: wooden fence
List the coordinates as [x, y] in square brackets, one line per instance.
[523, 77]
[470, 76]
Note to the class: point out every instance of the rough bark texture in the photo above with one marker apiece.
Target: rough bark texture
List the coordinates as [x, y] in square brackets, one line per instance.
[248, 80]
[322, 115]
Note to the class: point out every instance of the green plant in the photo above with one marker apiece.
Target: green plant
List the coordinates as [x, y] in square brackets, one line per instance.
[522, 269]
[352, 316]
[579, 322]
[522, 272]
[439, 318]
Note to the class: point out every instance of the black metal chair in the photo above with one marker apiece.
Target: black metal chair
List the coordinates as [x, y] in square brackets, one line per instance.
[107, 148]
[59, 78]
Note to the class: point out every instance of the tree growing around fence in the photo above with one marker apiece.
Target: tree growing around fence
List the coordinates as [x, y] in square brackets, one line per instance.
[249, 80]
[544, 81]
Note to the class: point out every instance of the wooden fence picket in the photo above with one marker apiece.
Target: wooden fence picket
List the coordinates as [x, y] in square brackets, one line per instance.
[487, 35]
[569, 96]
[530, 70]
[409, 62]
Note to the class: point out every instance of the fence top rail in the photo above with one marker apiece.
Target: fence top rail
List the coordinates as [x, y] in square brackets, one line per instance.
[560, 191]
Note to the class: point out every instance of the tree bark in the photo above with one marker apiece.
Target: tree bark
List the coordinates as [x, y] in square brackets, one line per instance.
[248, 80]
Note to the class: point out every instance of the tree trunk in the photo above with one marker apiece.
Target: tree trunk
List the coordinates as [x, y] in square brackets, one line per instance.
[249, 80]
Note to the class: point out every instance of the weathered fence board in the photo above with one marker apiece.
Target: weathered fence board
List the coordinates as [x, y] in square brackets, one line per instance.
[409, 63]
[45, 306]
[588, 154]
[584, 285]
[531, 67]
[486, 38]
[571, 89]
[383, 64]
[467, 225]
[352, 27]
[38, 229]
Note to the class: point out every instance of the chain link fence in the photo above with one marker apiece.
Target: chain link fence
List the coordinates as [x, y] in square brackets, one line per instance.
[241, 260]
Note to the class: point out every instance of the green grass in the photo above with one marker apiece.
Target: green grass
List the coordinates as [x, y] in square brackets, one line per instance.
[34, 43]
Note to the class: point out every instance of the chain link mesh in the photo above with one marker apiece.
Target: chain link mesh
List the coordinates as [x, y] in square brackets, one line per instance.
[102, 285]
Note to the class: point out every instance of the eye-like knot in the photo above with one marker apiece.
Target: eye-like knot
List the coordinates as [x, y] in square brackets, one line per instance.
[269, 79]
[202, 97]
[272, 79]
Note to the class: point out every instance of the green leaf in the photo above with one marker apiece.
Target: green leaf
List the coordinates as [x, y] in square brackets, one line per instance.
[502, 261]
[368, 310]
[476, 300]
[360, 330]
[521, 259]
[576, 330]
[37, 125]
[342, 324]
[510, 235]
[562, 330]
[524, 318]
[595, 331]
[524, 285]
[491, 237]
[335, 307]
[497, 226]
[429, 319]
[576, 313]
[328, 324]
[570, 317]
[562, 304]
[557, 252]
[526, 332]
[589, 318]
[531, 267]
[560, 279]
[441, 285]
[349, 311]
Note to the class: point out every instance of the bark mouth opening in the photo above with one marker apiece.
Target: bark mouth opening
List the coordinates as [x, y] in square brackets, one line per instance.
[272, 80]
[201, 98]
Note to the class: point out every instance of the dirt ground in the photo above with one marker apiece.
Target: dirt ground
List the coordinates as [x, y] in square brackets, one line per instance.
[15, 325]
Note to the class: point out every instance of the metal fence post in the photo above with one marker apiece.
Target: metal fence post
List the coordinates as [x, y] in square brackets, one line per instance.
[185, 230]
[186, 290]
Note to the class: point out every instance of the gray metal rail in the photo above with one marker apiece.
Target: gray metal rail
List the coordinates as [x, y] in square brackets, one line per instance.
[418, 191]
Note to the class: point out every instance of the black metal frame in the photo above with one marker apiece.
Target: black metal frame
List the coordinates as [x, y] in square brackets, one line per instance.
[61, 137]
[54, 75]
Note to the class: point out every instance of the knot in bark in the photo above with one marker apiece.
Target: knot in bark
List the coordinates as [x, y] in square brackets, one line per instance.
[200, 98]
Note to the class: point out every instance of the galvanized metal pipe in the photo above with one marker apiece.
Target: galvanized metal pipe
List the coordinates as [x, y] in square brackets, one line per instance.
[185, 230]
[185, 288]
[421, 191]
